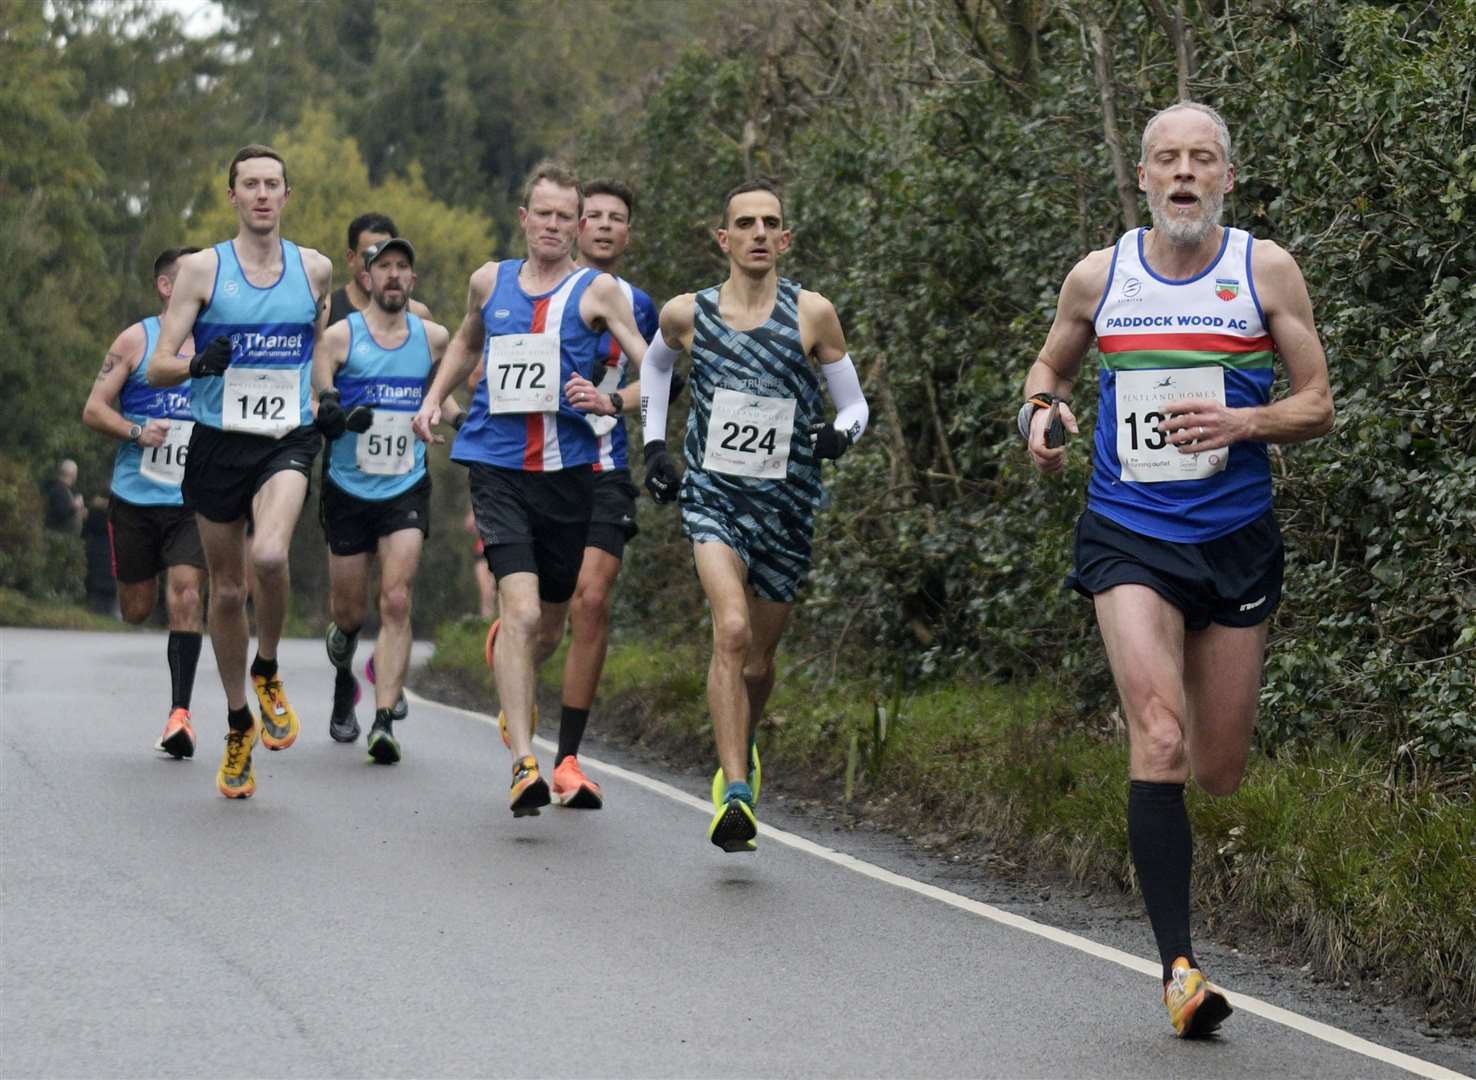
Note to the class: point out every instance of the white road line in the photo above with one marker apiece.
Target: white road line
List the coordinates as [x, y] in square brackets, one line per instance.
[1307, 1026]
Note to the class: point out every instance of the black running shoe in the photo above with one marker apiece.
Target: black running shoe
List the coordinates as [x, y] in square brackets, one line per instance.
[383, 746]
[343, 725]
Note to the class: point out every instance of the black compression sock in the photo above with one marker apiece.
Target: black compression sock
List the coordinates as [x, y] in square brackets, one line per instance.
[184, 654]
[1163, 853]
[571, 732]
[343, 686]
[239, 719]
[265, 669]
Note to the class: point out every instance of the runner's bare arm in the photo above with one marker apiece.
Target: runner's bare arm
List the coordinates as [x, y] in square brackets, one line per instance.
[437, 337]
[604, 304]
[193, 285]
[124, 355]
[1056, 367]
[319, 269]
[462, 351]
[820, 328]
[329, 355]
[1307, 409]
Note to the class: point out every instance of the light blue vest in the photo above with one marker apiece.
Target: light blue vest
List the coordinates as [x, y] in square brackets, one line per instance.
[392, 383]
[269, 328]
[139, 403]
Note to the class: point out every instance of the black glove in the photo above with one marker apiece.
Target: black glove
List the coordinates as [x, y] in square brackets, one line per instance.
[212, 360]
[360, 419]
[331, 421]
[678, 383]
[661, 474]
[1055, 434]
[828, 442]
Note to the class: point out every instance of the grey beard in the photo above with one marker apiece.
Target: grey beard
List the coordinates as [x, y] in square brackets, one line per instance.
[1187, 233]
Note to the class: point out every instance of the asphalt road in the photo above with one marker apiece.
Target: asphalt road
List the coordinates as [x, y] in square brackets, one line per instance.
[358, 920]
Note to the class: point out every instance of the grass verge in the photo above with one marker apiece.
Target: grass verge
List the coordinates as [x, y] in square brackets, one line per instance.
[1364, 877]
[17, 609]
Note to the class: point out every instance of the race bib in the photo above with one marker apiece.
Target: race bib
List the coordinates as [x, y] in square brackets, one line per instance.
[749, 435]
[261, 401]
[523, 373]
[165, 463]
[1144, 400]
[388, 447]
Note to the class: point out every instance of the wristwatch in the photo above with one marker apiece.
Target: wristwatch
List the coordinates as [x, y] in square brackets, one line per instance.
[617, 403]
[134, 432]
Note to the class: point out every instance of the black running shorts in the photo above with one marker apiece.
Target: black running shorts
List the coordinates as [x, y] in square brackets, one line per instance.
[146, 539]
[354, 526]
[226, 469]
[1234, 580]
[534, 522]
[612, 521]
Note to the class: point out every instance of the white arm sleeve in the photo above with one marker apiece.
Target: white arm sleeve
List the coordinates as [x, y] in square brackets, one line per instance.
[656, 387]
[851, 411]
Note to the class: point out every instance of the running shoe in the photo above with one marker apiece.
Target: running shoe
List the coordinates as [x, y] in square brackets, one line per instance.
[178, 740]
[401, 707]
[1196, 1006]
[755, 777]
[529, 790]
[573, 789]
[343, 724]
[502, 726]
[383, 746]
[487, 648]
[235, 779]
[734, 826]
[278, 721]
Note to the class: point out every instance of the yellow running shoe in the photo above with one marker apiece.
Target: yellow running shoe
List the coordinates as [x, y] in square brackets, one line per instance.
[1196, 1006]
[529, 790]
[502, 726]
[278, 721]
[734, 827]
[235, 779]
[755, 777]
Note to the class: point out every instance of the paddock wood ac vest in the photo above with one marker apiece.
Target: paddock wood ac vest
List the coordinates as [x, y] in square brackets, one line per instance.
[1163, 341]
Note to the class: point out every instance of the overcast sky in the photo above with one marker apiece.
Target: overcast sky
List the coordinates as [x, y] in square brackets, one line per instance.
[200, 17]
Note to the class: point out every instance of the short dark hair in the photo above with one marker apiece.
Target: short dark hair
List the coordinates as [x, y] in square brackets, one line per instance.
[255, 150]
[556, 174]
[758, 183]
[164, 264]
[370, 222]
[605, 185]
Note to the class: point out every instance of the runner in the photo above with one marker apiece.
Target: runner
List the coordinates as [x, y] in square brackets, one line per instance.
[150, 528]
[536, 322]
[1178, 547]
[364, 232]
[254, 306]
[604, 233]
[755, 437]
[376, 494]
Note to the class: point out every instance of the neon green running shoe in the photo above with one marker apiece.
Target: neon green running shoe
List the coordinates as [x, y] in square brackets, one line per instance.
[755, 777]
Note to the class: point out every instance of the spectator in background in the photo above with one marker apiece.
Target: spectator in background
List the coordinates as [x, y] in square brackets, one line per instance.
[97, 540]
[63, 505]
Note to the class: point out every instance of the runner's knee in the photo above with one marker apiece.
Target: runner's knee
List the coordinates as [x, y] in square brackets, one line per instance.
[1158, 737]
[183, 601]
[1221, 777]
[590, 608]
[268, 558]
[227, 597]
[394, 604]
[135, 604]
[731, 635]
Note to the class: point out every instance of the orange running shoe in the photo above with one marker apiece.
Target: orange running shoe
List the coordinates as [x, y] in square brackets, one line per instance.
[178, 740]
[529, 790]
[235, 780]
[278, 722]
[487, 648]
[573, 789]
[1196, 1006]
